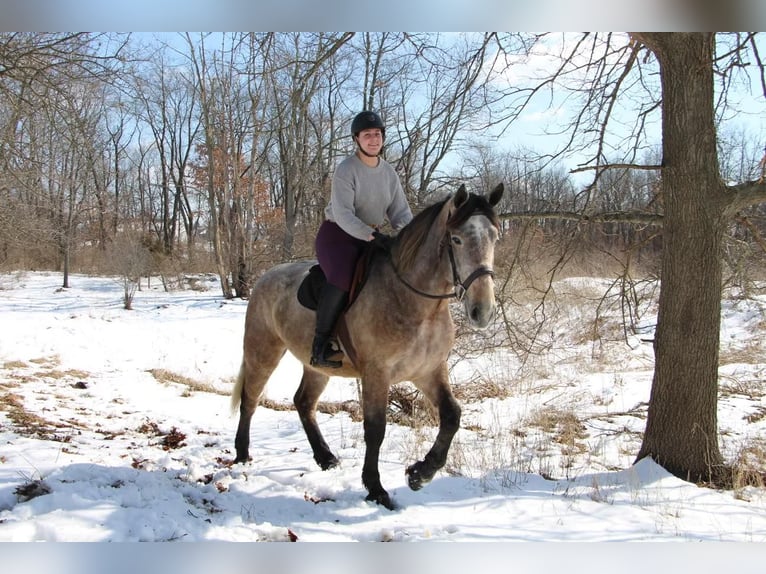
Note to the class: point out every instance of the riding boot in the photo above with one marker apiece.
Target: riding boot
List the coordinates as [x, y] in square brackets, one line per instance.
[331, 304]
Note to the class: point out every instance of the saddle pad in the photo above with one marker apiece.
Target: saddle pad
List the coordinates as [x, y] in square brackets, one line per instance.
[311, 287]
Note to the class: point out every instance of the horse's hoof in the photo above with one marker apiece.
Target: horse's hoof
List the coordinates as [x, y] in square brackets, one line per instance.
[415, 477]
[327, 464]
[381, 498]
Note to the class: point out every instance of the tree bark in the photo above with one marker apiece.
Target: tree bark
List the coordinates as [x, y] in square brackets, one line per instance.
[682, 429]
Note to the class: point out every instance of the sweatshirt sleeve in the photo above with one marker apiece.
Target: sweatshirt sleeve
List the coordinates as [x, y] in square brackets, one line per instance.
[343, 212]
[399, 213]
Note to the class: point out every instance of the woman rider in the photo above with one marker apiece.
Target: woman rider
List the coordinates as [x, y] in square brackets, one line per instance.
[365, 191]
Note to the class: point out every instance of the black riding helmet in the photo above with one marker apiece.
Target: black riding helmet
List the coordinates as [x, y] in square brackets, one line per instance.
[366, 120]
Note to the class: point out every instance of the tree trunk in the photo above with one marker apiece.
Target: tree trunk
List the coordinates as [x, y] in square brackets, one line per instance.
[65, 264]
[682, 429]
[215, 237]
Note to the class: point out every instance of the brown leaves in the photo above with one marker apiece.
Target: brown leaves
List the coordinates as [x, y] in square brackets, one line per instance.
[174, 439]
[171, 440]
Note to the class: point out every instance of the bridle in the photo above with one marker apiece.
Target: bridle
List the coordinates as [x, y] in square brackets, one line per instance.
[461, 287]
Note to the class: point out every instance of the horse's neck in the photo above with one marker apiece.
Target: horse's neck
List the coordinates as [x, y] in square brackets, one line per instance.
[430, 271]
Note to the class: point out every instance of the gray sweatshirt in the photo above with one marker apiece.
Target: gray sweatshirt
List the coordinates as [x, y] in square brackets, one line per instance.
[362, 197]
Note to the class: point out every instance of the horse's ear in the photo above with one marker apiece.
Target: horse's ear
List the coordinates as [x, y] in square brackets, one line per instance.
[496, 194]
[460, 197]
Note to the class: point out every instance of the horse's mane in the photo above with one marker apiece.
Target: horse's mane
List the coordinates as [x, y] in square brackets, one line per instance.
[411, 237]
[413, 234]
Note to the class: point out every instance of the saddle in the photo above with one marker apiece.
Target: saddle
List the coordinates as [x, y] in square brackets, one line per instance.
[310, 288]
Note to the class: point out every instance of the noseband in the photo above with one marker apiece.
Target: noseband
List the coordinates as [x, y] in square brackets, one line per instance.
[461, 287]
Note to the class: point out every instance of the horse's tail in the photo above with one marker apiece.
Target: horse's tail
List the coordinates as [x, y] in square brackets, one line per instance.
[236, 393]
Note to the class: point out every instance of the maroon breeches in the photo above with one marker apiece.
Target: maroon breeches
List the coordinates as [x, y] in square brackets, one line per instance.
[337, 252]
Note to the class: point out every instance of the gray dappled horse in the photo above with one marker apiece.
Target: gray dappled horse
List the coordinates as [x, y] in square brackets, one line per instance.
[399, 328]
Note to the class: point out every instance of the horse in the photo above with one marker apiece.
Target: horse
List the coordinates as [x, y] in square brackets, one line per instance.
[398, 328]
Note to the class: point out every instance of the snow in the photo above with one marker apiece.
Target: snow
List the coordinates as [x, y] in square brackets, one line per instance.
[89, 374]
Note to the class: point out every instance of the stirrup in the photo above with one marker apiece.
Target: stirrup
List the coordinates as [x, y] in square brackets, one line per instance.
[325, 362]
[324, 359]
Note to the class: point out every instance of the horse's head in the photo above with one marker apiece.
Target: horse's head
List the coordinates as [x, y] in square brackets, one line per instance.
[472, 231]
[452, 242]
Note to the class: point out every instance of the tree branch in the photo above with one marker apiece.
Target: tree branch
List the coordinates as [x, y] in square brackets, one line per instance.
[614, 166]
[633, 217]
[744, 195]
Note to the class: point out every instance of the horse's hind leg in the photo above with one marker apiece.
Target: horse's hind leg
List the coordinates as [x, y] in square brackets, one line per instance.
[252, 378]
[306, 398]
[438, 391]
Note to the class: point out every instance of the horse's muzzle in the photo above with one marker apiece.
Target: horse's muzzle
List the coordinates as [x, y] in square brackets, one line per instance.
[479, 314]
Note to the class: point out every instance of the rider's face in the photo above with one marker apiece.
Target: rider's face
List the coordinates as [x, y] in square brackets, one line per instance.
[370, 140]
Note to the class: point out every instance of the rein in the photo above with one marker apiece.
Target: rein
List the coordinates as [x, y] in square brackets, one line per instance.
[461, 287]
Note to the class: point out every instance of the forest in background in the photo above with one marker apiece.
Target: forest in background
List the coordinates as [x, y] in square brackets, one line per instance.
[136, 154]
[141, 156]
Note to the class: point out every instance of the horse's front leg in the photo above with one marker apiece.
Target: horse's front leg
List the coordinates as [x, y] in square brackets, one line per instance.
[374, 403]
[438, 391]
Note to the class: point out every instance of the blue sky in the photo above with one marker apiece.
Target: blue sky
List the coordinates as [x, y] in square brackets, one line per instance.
[425, 15]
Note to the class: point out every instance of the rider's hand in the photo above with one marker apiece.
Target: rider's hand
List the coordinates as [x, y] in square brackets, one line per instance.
[381, 240]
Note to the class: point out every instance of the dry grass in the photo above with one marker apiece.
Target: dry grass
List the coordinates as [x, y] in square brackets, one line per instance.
[166, 377]
[752, 388]
[14, 365]
[408, 407]
[53, 361]
[564, 427]
[353, 408]
[746, 469]
[28, 423]
[68, 374]
[479, 389]
[758, 415]
[749, 354]
[329, 407]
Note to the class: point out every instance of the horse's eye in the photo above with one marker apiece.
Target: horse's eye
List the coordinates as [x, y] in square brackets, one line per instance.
[457, 240]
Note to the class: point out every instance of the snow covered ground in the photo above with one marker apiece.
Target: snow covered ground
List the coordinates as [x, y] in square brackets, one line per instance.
[116, 425]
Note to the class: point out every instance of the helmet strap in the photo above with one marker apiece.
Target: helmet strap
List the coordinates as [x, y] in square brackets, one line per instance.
[359, 147]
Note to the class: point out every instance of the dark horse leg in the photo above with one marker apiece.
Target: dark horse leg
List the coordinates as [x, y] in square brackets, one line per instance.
[305, 399]
[374, 402]
[252, 378]
[440, 394]
[247, 407]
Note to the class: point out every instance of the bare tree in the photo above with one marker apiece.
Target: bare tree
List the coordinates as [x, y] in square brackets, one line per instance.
[44, 81]
[681, 431]
[130, 259]
[673, 73]
[166, 102]
[298, 63]
[434, 91]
